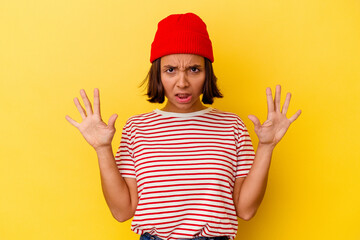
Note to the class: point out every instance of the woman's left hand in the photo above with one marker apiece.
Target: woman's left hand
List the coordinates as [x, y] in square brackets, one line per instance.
[276, 125]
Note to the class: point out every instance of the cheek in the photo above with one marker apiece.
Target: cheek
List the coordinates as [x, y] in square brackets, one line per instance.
[166, 85]
[200, 84]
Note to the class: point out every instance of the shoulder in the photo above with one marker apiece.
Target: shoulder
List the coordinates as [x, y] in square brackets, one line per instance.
[229, 116]
[140, 119]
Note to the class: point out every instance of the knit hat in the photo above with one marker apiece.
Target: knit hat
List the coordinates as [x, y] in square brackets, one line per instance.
[181, 33]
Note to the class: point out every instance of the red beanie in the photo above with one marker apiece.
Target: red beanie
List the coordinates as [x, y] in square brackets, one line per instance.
[181, 33]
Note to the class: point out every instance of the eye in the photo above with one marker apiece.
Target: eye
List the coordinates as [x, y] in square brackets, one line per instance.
[194, 69]
[170, 69]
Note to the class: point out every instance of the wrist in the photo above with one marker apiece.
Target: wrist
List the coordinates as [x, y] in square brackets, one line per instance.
[266, 146]
[103, 148]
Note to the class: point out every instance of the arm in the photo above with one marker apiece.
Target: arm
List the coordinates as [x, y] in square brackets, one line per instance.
[249, 191]
[120, 193]
[252, 186]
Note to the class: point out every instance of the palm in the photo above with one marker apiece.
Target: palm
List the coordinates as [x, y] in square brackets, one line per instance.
[93, 129]
[276, 125]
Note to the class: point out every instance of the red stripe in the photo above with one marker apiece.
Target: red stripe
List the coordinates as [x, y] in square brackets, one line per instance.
[209, 152]
[185, 164]
[185, 171]
[201, 130]
[194, 184]
[190, 194]
[182, 179]
[183, 123]
[190, 199]
[138, 166]
[188, 209]
[170, 137]
[192, 147]
[188, 219]
[207, 147]
[177, 216]
[189, 229]
[182, 205]
[194, 189]
[185, 143]
[180, 156]
[172, 175]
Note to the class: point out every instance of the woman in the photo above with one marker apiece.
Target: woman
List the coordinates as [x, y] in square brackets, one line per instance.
[186, 171]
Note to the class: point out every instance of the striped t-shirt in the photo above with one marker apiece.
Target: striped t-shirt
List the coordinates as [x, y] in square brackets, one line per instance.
[185, 165]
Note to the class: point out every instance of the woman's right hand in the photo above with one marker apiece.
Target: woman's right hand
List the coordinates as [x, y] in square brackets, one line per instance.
[94, 130]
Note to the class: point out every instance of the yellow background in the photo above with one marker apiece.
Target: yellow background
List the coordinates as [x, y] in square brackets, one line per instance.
[49, 177]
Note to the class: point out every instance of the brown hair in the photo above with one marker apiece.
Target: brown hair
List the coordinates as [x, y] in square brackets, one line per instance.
[156, 92]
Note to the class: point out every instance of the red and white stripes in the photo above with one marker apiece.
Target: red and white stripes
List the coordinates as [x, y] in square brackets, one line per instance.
[185, 165]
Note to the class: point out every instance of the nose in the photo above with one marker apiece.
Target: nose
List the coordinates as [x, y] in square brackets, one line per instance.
[182, 81]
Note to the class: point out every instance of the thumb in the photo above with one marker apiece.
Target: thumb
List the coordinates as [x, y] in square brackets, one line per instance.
[112, 120]
[255, 121]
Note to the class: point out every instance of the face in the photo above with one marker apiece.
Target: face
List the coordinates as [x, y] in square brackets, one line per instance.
[183, 77]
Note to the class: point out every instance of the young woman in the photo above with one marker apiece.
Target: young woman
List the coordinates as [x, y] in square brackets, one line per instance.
[186, 171]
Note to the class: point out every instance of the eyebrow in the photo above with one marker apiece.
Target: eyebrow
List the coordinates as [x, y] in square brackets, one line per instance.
[194, 65]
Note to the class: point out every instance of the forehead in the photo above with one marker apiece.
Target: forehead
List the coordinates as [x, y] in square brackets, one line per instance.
[182, 59]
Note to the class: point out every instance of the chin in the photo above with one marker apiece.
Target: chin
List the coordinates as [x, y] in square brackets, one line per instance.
[187, 107]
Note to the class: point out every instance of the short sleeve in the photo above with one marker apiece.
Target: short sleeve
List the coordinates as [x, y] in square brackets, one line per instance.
[244, 152]
[123, 157]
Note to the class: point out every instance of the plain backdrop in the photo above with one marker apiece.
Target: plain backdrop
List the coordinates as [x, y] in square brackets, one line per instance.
[49, 177]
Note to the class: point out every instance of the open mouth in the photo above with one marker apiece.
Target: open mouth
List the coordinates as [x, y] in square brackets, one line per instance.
[183, 98]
